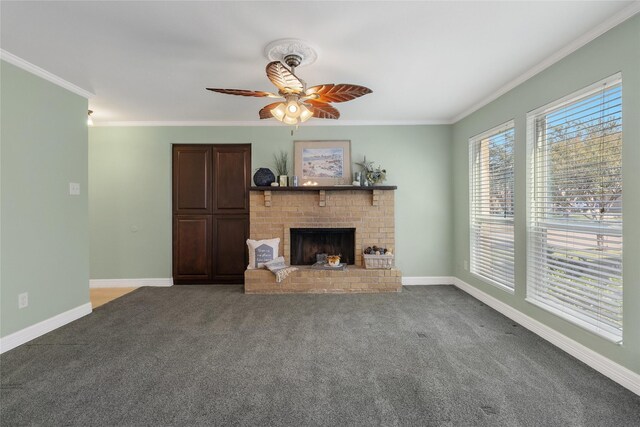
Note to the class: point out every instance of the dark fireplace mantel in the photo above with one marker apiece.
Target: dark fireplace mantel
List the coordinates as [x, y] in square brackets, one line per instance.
[323, 191]
[326, 188]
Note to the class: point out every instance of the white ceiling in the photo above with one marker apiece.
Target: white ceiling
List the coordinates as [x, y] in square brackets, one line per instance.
[426, 62]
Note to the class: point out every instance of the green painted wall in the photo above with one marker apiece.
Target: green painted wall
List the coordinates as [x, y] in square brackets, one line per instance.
[617, 50]
[130, 189]
[44, 247]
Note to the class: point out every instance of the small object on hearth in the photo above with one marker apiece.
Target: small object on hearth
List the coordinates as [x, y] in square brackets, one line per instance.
[324, 266]
[378, 261]
[333, 260]
[275, 184]
[321, 258]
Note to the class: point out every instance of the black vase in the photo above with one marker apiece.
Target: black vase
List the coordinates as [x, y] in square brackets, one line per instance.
[263, 177]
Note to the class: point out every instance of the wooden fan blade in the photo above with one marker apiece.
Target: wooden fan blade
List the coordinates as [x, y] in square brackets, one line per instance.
[323, 110]
[243, 92]
[284, 79]
[265, 112]
[336, 93]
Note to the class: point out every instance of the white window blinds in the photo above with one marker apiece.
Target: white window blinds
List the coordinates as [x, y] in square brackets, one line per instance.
[574, 266]
[491, 205]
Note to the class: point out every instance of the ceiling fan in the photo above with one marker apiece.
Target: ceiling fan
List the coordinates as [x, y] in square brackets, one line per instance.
[300, 103]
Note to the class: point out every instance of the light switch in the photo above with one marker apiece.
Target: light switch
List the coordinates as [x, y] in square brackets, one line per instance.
[74, 189]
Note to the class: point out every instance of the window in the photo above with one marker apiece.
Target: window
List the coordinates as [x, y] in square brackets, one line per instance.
[491, 192]
[574, 267]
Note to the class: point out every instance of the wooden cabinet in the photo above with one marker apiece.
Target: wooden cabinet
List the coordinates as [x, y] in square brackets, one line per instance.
[192, 247]
[210, 212]
[192, 179]
[230, 234]
[232, 175]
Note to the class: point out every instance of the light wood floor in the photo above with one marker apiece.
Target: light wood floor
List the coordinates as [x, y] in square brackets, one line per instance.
[100, 296]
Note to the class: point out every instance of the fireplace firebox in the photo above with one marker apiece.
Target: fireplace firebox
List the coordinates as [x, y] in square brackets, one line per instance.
[306, 243]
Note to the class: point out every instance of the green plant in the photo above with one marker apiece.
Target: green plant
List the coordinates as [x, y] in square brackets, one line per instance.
[282, 163]
[374, 175]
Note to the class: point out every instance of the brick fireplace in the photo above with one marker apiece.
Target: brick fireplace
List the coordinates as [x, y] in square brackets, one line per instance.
[275, 211]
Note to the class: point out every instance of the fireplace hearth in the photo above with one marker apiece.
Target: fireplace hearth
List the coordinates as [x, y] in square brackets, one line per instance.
[306, 243]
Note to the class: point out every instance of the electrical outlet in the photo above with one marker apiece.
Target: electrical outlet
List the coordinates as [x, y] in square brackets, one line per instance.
[23, 300]
[74, 189]
[466, 265]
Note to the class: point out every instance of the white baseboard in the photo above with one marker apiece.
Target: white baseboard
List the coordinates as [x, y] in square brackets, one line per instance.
[129, 283]
[428, 280]
[618, 373]
[34, 331]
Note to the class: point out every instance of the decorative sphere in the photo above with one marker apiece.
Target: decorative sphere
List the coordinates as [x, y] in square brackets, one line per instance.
[263, 177]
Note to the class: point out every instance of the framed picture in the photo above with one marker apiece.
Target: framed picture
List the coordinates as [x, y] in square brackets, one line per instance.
[323, 162]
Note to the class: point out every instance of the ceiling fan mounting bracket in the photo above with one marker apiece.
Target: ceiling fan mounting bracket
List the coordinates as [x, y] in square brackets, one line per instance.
[293, 60]
[293, 52]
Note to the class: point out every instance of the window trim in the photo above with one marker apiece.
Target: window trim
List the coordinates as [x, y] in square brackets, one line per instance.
[575, 317]
[503, 127]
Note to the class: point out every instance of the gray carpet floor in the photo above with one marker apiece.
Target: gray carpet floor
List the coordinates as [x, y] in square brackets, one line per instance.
[210, 355]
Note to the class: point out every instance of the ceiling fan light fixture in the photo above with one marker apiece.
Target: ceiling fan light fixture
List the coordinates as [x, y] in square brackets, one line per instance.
[290, 120]
[305, 113]
[293, 108]
[279, 111]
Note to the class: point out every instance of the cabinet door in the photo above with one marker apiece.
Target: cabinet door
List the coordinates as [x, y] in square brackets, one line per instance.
[192, 179]
[192, 248]
[230, 256]
[232, 174]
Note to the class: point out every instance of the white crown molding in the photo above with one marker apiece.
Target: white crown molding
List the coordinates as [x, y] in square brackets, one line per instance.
[129, 283]
[249, 123]
[34, 331]
[34, 69]
[596, 32]
[427, 280]
[618, 373]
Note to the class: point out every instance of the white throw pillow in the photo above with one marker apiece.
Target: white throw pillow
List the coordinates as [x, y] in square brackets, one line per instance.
[261, 251]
